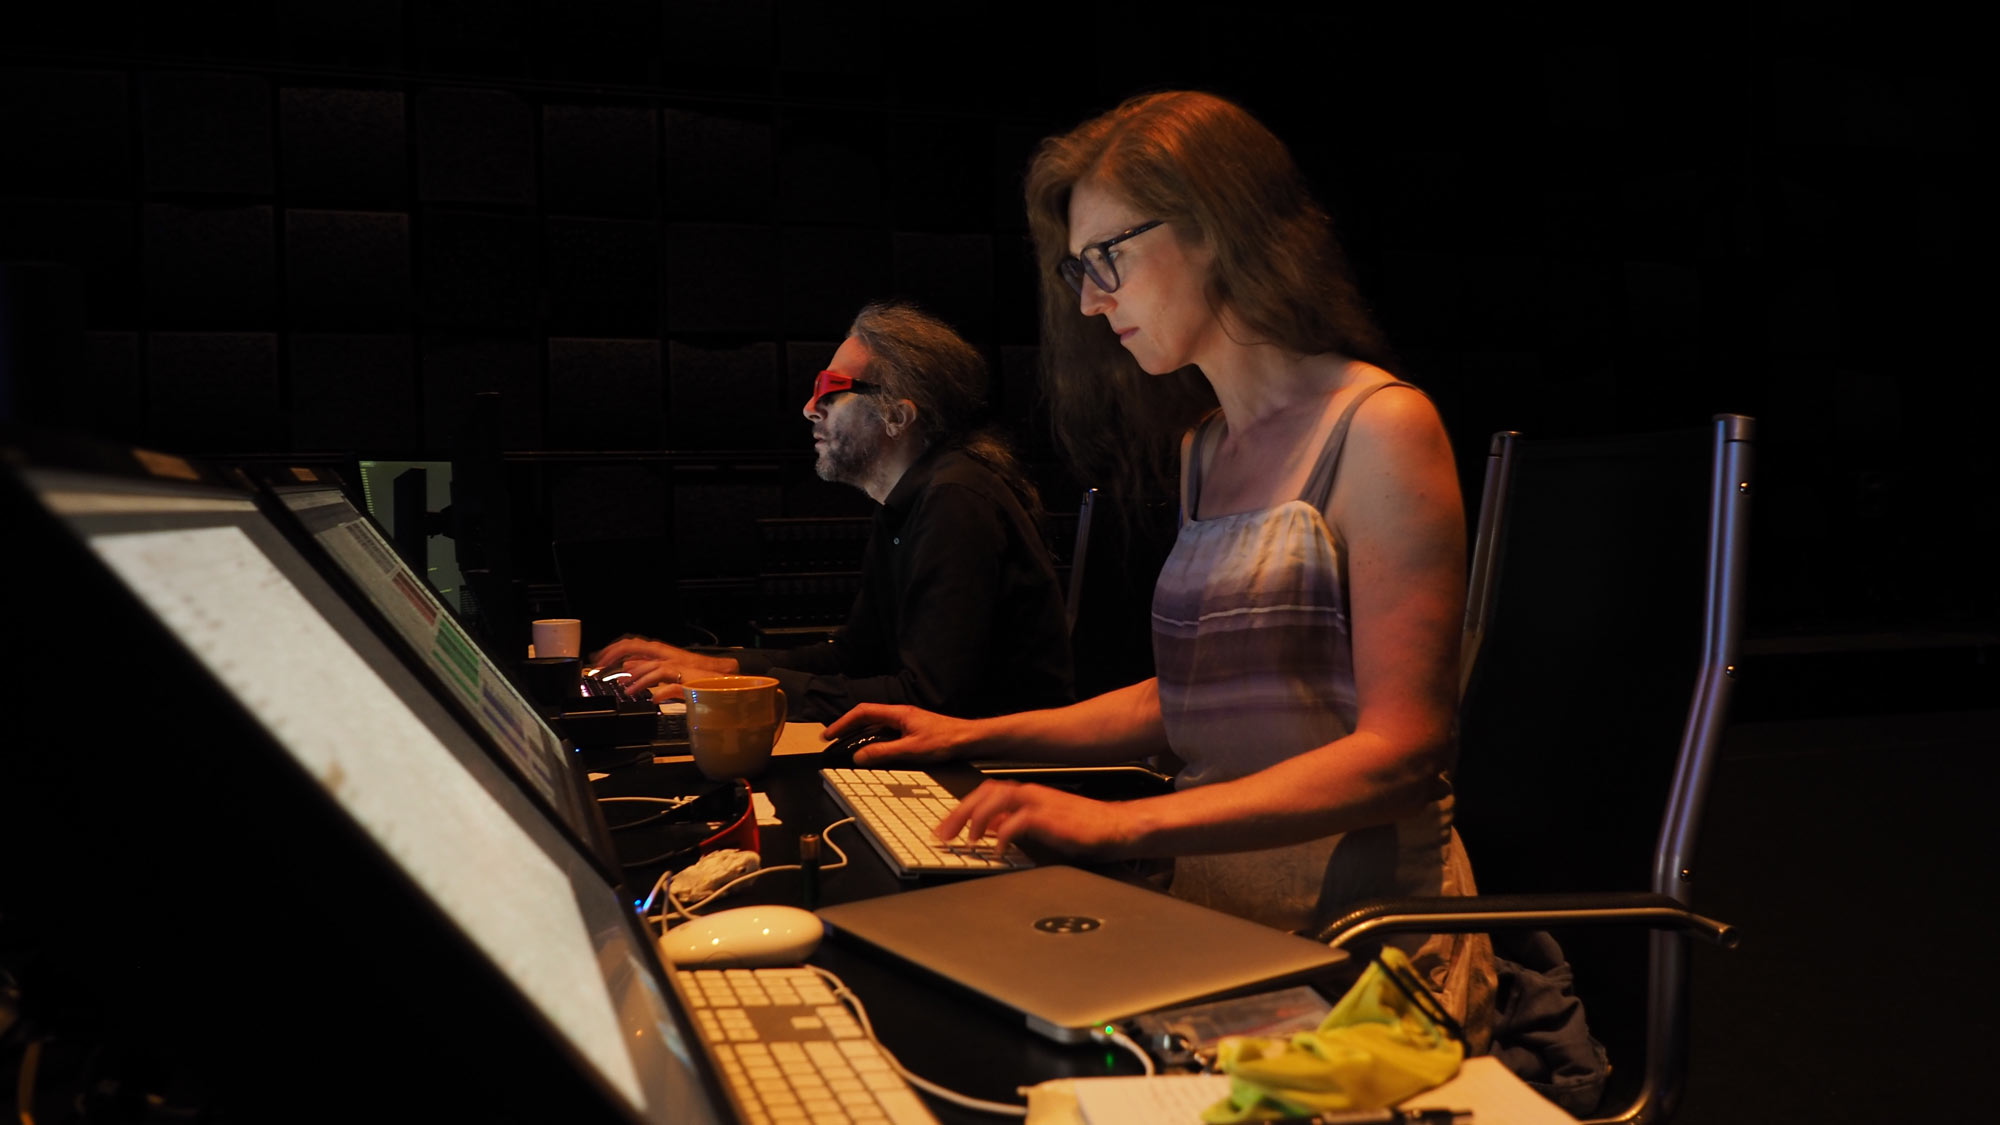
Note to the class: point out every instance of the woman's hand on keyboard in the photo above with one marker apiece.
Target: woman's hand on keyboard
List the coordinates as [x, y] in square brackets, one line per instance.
[913, 734]
[1010, 812]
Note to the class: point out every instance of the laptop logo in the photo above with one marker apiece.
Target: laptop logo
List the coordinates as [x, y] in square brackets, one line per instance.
[1067, 924]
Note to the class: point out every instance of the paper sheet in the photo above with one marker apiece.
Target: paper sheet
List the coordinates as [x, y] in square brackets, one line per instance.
[799, 738]
[1489, 1090]
[1493, 1094]
[1163, 1098]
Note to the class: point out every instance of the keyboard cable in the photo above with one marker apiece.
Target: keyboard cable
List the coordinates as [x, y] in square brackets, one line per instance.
[672, 805]
[846, 996]
[661, 890]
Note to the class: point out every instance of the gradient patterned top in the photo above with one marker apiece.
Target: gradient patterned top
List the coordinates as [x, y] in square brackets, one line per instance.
[1252, 645]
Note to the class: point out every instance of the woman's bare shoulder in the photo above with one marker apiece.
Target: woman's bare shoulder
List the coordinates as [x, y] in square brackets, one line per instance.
[1396, 423]
[1397, 469]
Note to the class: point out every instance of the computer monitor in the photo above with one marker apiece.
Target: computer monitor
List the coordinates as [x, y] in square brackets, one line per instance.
[423, 539]
[271, 860]
[329, 528]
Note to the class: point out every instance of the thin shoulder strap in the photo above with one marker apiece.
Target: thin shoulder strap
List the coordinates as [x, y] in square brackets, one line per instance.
[1191, 446]
[1319, 486]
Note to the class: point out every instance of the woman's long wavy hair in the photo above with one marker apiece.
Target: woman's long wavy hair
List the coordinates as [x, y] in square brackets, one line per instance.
[1220, 178]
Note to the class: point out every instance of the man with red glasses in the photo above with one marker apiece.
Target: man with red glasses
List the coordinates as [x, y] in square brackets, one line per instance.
[959, 610]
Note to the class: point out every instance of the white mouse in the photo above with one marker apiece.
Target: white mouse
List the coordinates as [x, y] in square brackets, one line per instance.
[746, 937]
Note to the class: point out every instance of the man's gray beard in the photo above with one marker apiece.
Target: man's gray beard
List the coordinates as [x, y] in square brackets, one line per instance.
[840, 462]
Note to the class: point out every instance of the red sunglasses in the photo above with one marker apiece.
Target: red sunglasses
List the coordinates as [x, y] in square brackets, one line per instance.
[833, 382]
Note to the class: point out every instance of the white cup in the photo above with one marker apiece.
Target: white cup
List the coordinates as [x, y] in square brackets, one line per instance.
[558, 636]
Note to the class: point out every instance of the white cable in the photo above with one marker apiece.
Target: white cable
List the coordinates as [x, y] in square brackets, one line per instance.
[688, 911]
[659, 884]
[1125, 1041]
[826, 835]
[847, 996]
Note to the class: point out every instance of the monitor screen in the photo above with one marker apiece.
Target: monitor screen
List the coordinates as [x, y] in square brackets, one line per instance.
[378, 492]
[329, 696]
[434, 636]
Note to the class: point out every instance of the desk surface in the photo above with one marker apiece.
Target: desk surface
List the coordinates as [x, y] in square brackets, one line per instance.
[946, 1035]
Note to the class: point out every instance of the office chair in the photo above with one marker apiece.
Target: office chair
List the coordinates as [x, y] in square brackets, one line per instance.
[1568, 708]
[1115, 559]
[1480, 584]
[1079, 553]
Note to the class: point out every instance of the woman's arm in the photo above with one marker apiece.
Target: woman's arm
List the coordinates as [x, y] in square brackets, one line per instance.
[1117, 726]
[1397, 510]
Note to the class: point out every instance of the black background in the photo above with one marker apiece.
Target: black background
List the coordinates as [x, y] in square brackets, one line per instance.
[310, 230]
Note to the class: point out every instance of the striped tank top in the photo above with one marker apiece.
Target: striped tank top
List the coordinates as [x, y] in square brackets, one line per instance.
[1251, 643]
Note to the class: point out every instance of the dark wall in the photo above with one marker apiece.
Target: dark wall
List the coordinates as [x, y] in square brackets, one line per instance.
[315, 229]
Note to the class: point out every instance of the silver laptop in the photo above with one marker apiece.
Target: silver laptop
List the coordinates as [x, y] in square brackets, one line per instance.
[1072, 951]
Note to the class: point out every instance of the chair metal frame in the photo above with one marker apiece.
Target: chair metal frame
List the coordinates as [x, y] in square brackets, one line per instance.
[1079, 553]
[1492, 525]
[1665, 908]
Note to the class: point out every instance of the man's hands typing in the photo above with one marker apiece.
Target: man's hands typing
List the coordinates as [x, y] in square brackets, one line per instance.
[653, 663]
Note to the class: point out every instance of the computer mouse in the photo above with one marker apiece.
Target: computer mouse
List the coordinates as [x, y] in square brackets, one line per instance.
[841, 750]
[745, 937]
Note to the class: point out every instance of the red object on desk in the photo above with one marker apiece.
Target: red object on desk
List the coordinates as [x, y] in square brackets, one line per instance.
[742, 832]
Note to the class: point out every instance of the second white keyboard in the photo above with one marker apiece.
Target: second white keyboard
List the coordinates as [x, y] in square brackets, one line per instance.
[792, 1052]
[896, 810]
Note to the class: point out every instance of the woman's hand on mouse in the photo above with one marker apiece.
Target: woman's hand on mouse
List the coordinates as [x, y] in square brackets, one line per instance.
[1010, 811]
[911, 734]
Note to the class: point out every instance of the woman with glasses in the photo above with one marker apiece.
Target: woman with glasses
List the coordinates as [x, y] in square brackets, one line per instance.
[1306, 624]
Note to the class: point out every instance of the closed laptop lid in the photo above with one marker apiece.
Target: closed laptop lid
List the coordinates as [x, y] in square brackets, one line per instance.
[1071, 951]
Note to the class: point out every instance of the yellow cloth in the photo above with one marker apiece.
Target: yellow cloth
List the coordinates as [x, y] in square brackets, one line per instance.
[1373, 1050]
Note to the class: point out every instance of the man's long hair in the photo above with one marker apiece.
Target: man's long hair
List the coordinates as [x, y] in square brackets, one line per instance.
[916, 356]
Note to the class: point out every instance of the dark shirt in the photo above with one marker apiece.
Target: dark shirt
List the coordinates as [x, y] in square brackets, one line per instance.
[959, 610]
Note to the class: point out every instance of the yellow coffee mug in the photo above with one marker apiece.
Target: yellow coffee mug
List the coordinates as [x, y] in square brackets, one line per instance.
[733, 724]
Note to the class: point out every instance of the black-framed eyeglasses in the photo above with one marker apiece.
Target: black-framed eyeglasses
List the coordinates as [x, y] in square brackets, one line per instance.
[1096, 262]
[833, 382]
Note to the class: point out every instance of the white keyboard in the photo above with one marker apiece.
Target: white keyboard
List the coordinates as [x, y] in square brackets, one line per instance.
[792, 1052]
[897, 809]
